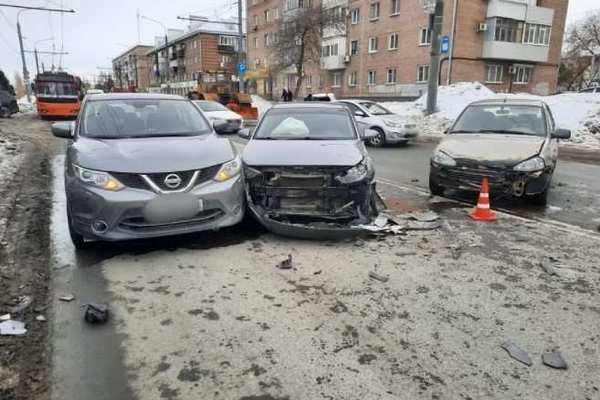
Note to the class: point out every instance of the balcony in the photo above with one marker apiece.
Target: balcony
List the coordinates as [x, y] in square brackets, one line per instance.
[333, 62]
[514, 51]
[521, 10]
[226, 48]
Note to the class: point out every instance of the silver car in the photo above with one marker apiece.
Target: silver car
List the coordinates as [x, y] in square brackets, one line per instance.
[145, 165]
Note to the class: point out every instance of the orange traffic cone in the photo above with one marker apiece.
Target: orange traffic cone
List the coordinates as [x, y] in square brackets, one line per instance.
[483, 212]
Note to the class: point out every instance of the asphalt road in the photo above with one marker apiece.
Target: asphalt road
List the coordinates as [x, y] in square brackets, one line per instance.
[208, 315]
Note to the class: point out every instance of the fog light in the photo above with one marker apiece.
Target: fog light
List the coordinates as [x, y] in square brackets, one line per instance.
[99, 226]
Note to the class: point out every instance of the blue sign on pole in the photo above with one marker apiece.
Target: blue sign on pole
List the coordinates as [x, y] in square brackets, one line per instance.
[445, 45]
[242, 68]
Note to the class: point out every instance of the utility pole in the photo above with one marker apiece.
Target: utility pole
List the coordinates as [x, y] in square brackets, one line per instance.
[241, 46]
[21, 9]
[435, 27]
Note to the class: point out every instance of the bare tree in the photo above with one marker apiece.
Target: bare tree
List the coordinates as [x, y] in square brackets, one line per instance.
[583, 39]
[571, 72]
[298, 39]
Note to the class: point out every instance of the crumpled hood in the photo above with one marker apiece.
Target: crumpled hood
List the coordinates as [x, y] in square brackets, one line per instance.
[149, 155]
[491, 148]
[303, 152]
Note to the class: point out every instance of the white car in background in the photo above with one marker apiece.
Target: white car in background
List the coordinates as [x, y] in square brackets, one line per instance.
[392, 128]
[228, 121]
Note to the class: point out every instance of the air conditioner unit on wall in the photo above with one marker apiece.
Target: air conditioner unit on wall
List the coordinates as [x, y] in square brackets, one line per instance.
[482, 27]
[346, 59]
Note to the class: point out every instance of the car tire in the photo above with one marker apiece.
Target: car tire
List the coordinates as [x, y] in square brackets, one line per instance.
[379, 140]
[434, 187]
[77, 238]
[540, 199]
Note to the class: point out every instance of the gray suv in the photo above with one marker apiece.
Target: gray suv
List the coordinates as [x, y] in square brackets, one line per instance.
[145, 165]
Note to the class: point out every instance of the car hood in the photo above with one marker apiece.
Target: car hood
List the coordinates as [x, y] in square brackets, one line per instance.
[148, 155]
[491, 148]
[222, 115]
[303, 152]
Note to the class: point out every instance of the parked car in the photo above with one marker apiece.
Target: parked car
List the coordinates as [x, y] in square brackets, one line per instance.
[307, 171]
[147, 165]
[390, 127]
[512, 142]
[593, 89]
[320, 97]
[228, 121]
[8, 104]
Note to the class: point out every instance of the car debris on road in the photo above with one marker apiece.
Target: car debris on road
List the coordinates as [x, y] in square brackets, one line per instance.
[24, 302]
[516, 352]
[95, 313]
[12, 328]
[67, 298]
[285, 264]
[378, 277]
[547, 267]
[554, 359]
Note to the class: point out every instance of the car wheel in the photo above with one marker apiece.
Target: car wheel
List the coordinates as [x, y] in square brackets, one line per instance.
[379, 140]
[434, 188]
[77, 238]
[540, 199]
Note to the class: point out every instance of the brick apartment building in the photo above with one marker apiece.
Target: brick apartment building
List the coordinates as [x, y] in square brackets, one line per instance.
[206, 53]
[131, 69]
[510, 45]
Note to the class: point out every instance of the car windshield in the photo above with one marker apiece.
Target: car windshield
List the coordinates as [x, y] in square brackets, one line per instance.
[505, 118]
[314, 124]
[135, 118]
[210, 106]
[375, 109]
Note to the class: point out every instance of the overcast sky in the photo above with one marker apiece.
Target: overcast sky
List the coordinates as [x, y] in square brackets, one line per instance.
[100, 30]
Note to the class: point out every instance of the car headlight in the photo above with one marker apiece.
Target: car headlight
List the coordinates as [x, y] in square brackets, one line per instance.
[98, 179]
[442, 158]
[229, 170]
[392, 124]
[533, 164]
[357, 173]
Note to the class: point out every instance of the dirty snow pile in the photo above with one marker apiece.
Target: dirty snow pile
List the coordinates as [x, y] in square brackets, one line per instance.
[579, 112]
[26, 106]
[261, 104]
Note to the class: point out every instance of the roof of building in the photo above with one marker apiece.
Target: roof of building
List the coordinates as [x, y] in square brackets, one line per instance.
[129, 50]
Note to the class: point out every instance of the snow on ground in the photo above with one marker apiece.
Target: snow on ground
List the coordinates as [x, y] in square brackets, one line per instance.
[579, 112]
[26, 106]
[260, 103]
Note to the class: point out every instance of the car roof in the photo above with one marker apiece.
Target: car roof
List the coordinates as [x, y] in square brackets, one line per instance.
[308, 106]
[134, 96]
[358, 100]
[522, 101]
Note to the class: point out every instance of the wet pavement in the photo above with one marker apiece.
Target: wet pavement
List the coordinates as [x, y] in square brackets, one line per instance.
[209, 316]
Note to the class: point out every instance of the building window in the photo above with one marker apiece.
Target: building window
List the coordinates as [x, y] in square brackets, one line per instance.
[395, 7]
[393, 42]
[422, 73]
[391, 75]
[255, 42]
[373, 44]
[267, 16]
[195, 44]
[225, 60]
[355, 16]
[227, 40]
[522, 74]
[353, 78]
[508, 30]
[308, 80]
[494, 73]
[276, 12]
[330, 50]
[337, 79]
[425, 37]
[371, 78]
[267, 41]
[537, 34]
[354, 47]
[256, 20]
[374, 11]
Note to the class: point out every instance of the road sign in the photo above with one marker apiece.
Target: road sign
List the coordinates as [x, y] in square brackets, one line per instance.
[242, 68]
[445, 45]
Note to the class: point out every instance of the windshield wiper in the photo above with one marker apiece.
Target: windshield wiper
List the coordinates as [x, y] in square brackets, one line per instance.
[464, 131]
[507, 131]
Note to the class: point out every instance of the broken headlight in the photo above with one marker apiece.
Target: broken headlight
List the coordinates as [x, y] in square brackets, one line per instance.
[229, 170]
[442, 158]
[533, 164]
[357, 173]
[99, 179]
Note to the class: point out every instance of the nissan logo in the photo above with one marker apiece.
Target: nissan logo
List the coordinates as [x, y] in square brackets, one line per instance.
[172, 181]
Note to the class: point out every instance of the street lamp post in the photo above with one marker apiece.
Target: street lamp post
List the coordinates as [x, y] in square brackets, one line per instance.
[166, 45]
[435, 9]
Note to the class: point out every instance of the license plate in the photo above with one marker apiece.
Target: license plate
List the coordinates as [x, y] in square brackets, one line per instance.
[172, 208]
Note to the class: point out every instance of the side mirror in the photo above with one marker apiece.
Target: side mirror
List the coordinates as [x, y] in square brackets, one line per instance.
[369, 134]
[359, 114]
[63, 130]
[244, 133]
[561, 134]
[219, 124]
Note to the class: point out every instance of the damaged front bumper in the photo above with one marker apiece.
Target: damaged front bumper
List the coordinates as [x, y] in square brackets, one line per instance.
[504, 181]
[310, 202]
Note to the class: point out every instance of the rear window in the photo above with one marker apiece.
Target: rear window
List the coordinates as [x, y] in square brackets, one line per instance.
[289, 124]
[132, 118]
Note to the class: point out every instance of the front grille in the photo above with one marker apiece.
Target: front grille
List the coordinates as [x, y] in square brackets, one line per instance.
[135, 181]
[140, 224]
[474, 177]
